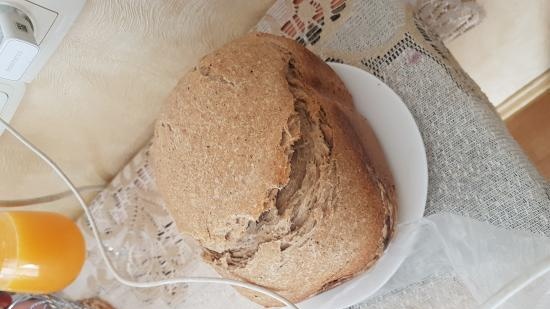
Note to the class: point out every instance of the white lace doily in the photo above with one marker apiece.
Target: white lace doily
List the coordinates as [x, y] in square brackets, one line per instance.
[144, 244]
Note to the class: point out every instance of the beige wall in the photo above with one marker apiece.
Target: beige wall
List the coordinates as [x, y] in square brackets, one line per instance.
[510, 47]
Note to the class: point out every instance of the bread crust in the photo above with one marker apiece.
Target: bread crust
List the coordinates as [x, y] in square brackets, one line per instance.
[256, 159]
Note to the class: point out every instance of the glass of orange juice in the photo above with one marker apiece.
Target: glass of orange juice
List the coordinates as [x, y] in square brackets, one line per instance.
[40, 252]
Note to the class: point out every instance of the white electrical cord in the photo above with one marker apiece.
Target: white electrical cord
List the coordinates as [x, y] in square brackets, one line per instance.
[106, 258]
[47, 198]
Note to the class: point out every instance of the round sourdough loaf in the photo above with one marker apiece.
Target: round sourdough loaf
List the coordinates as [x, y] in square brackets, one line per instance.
[256, 160]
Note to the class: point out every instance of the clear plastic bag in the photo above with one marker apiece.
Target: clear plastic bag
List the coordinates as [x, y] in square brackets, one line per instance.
[458, 262]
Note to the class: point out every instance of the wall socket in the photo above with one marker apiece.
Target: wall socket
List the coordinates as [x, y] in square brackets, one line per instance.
[50, 20]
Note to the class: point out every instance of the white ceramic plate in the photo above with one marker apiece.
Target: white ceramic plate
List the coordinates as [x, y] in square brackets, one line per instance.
[402, 144]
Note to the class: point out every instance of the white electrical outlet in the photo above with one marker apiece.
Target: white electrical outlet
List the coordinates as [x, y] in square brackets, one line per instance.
[51, 20]
[41, 17]
[21, 58]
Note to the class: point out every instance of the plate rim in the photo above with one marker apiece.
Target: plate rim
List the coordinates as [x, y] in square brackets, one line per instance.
[316, 301]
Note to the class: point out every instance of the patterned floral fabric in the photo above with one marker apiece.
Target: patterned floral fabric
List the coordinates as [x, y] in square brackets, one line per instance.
[476, 170]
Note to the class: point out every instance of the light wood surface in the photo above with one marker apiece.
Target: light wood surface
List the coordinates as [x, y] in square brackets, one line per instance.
[525, 95]
[531, 128]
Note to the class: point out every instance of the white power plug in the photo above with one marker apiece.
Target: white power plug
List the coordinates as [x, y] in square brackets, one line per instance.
[18, 46]
[30, 32]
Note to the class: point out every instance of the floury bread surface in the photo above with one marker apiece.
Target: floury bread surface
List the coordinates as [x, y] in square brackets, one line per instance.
[256, 159]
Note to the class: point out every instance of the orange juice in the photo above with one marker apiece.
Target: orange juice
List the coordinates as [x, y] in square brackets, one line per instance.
[39, 252]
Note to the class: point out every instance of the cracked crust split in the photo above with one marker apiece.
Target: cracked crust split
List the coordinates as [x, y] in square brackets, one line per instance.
[256, 158]
[307, 142]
